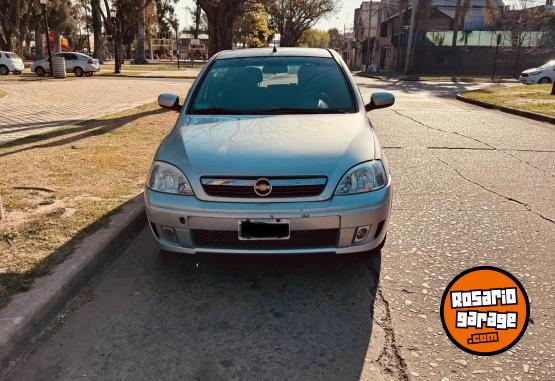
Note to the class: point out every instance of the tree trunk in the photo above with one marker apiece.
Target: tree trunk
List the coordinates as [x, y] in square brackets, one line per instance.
[198, 15]
[221, 33]
[39, 46]
[140, 57]
[456, 23]
[27, 51]
[97, 31]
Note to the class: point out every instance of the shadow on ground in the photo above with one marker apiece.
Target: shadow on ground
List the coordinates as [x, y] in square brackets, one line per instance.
[159, 316]
[89, 128]
[439, 89]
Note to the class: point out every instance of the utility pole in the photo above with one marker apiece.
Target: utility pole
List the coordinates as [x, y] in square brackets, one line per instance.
[408, 58]
[367, 60]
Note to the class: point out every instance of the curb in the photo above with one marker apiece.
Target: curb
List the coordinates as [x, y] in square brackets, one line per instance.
[28, 314]
[509, 110]
[408, 79]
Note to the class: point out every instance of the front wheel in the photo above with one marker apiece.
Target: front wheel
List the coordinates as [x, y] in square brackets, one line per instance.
[89, 74]
[78, 71]
[544, 80]
[39, 70]
[4, 70]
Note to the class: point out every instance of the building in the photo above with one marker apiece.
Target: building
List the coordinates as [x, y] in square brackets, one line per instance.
[189, 46]
[434, 27]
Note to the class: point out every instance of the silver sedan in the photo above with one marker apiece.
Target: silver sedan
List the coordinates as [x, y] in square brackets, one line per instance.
[77, 63]
[272, 153]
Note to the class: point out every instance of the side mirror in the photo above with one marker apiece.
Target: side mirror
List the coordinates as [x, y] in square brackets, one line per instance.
[380, 100]
[170, 101]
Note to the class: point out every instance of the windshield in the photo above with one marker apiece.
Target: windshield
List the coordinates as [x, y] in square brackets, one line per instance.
[12, 55]
[273, 85]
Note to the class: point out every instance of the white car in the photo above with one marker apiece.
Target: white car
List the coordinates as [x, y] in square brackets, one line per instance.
[542, 74]
[76, 63]
[10, 62]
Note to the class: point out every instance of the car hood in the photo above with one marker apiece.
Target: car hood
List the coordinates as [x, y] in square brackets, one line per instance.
[532, 70]
[266, 146]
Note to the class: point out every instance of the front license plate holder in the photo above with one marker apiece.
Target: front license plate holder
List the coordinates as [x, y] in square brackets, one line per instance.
[264, 229]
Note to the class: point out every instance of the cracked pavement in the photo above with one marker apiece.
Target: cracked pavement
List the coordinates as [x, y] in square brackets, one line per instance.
[471, 187]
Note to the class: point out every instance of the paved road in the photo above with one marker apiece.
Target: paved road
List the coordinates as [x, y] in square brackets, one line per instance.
[35, 106]
[472, 187]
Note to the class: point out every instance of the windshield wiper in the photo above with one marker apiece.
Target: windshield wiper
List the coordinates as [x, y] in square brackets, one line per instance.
[304, 111]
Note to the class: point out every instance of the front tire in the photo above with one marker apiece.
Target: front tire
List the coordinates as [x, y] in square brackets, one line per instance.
[39, 70]
[4, 70]
[78, 71]
[544, 80]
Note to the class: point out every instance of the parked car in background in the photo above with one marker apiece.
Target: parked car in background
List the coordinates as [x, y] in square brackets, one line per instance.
[273, 154]
[77, 63]
[10, 62]
[542, 74]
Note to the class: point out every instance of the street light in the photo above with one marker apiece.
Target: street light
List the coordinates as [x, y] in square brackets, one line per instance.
[114, 17]
[43, 3]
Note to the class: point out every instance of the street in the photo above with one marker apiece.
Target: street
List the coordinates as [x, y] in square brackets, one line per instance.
[471, 187]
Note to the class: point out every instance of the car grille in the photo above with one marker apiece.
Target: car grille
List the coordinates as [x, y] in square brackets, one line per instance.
[523, 74]
[299, 239]
[281, 188]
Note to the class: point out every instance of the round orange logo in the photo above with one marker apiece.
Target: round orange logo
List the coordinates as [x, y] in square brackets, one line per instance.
[485, 310]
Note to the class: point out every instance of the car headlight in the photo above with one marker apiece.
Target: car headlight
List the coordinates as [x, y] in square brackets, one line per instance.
[535, 73]
[365, 177]
[167, 178]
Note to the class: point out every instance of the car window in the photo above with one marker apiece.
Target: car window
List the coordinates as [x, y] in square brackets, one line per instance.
[70, 56]
[0, 55]
[274, 85]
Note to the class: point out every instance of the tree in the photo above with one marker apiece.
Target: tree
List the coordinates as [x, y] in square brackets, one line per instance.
[290, 18]
[140, 55]
[14, 23]
[96, 20]
[221, 15]
[461, 10]
[314, 38]
[335, 38]
[200, 23]
[251, 27]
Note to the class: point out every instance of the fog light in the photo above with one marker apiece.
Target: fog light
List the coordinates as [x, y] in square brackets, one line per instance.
[169, 234]
[361, 233]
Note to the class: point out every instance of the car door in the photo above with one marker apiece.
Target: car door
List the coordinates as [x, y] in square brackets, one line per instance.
[71, 60]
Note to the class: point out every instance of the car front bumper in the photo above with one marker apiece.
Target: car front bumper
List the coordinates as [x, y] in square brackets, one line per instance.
[186, 216]
[527, 80]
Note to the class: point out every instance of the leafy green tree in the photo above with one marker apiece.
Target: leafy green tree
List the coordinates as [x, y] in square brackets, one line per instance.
[314, 38]
[251, 28]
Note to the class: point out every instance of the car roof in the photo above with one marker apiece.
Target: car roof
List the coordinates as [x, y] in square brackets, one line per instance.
[268, 52]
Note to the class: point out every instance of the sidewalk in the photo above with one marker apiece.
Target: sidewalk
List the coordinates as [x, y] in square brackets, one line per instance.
[36, 106]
